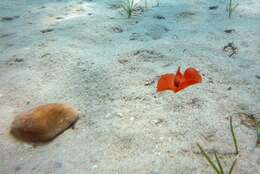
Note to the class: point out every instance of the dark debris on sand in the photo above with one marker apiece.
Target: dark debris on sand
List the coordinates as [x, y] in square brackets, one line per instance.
[9, 18]
[231, 49]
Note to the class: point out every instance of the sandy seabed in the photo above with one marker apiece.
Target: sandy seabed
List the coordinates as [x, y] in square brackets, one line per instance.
[89, 55]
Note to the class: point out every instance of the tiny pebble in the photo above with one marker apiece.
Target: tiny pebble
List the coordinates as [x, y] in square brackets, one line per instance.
[107, 116]
[95, 166]
[120, 115]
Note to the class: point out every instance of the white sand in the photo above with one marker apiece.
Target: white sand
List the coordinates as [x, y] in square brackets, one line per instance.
[125, 127]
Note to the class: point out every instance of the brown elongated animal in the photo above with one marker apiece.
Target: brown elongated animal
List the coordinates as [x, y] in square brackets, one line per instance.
[44, 122]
